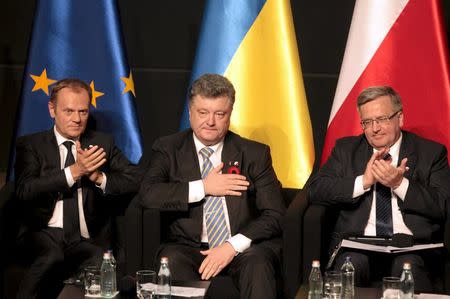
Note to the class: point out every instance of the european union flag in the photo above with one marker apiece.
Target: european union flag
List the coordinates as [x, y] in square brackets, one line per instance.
[82, 39]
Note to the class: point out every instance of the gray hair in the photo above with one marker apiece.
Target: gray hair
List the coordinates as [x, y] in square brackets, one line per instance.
[372, 93]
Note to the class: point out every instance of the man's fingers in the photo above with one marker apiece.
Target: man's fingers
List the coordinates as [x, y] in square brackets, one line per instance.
[233, 193]
[98, 165]
[403, 165]
[238, 188]
[210, 270]
[203, 266]
[218, 270]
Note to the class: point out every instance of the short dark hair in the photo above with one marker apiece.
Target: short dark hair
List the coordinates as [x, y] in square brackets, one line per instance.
[372, 93]
[212, 86]
[72, 83]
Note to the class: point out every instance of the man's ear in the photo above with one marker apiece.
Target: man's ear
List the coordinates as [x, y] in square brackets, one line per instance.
[52, 109]
[400, 119]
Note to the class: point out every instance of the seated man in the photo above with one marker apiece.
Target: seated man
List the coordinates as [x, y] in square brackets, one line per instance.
[226, 221]
[67, 179]
[384, 182]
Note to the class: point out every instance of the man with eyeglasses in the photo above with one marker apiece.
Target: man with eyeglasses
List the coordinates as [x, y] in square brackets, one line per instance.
[385, 183]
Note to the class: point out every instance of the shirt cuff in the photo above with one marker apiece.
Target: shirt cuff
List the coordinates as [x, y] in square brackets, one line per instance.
[358, 187]
[196, 191]
[401, 190]
[103, 184]
[239, 242]
[69, 177]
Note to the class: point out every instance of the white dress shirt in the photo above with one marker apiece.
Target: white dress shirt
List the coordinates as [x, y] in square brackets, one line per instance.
[57, 217]
[197, 193]
[398, 224]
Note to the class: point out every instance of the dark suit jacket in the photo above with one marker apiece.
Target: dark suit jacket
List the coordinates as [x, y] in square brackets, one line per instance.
[40, 181]
[424, 207]
[256, 213]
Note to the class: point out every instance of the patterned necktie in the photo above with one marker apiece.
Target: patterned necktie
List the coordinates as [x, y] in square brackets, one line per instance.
[71, 221]
[384, 211]
[216, 226]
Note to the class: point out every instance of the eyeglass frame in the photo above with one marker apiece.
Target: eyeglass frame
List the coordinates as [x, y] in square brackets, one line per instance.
[380, 120]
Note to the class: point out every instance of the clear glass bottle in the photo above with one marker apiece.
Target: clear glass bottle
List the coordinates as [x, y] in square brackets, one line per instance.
[163, 289]
[407, 282]
[348, 279]
[315, 281]
[108, 283]
[113, 260]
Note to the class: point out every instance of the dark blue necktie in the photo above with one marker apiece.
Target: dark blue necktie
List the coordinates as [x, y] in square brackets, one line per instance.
[71, 221]
[384, 210]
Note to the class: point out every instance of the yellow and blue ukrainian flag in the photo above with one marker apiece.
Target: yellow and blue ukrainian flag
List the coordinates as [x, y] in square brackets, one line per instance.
[253, 44]
[82, 39]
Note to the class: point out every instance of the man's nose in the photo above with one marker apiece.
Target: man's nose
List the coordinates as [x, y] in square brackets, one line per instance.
[76, 117]
[211, 119]
[376, 126]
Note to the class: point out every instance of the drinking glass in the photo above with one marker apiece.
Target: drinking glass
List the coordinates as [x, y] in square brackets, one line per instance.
[92, 281]
[391, 288]
[332, 287]
[145, 284]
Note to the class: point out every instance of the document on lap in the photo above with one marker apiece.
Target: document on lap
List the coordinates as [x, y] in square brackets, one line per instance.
[388, 249]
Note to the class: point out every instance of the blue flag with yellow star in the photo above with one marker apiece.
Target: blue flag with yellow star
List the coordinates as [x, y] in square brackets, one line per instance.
[80, 39]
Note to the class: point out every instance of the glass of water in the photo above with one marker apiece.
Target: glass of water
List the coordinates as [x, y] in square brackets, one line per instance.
[145, 284]
[392, 288]
[92, 281]
[332, 286]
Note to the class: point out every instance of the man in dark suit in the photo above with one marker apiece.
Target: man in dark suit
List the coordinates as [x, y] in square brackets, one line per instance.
[67, 179]
[385, 182]
[223, 193]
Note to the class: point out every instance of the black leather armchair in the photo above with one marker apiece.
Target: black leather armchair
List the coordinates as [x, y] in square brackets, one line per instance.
[127, 245]
[222, 287]
[318, 224]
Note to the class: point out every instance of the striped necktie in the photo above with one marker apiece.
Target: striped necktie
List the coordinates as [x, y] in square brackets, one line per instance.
[383, 211]
[213, 209]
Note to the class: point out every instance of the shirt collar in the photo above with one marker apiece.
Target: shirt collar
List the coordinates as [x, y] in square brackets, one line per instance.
[199, 145]
[394, 150]
[60, 139]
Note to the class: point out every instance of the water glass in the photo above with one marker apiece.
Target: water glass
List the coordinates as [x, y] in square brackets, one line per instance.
[392, 288]
[332, 286]
[145, 284]
[92, 281]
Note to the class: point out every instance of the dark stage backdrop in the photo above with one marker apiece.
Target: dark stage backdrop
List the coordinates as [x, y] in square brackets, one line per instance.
[161, 38]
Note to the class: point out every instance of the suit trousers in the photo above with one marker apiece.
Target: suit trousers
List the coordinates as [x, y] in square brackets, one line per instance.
[373, 266]
[262, 258]
[53, 261]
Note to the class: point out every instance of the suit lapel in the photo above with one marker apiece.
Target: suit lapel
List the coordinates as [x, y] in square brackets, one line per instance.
[52, 151]
[232, 152]
[407, 151]
[362, 156]
[186, 159]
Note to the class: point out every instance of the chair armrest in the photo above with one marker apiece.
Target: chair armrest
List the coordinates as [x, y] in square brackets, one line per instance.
[293, 244]
[129, 243]
[316, 225]
[151, 235]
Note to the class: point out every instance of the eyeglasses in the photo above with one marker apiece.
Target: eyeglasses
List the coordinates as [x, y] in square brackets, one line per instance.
[383, 120]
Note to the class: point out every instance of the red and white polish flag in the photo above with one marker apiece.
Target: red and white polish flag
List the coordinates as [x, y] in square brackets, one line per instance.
[400, 43]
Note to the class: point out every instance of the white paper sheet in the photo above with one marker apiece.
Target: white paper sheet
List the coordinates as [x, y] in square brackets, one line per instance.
[179, 291]
[387, 249]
